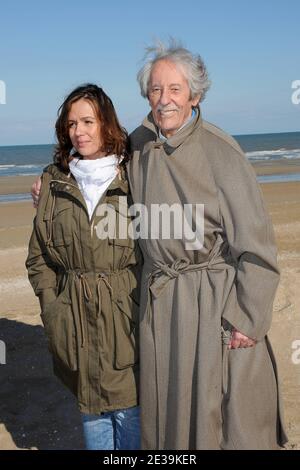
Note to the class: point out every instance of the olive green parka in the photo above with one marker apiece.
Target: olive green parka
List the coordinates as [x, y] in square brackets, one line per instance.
[88, 291]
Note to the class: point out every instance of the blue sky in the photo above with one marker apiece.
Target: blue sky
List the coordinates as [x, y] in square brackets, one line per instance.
[251, 50]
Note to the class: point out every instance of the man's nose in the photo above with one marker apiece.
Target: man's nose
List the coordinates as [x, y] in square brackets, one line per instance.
[165, 96]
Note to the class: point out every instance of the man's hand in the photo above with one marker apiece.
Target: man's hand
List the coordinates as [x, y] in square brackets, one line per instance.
[238, 340]
[35, 191]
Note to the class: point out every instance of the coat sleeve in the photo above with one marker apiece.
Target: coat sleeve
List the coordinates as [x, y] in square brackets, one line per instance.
[249, 232]
[41, 272]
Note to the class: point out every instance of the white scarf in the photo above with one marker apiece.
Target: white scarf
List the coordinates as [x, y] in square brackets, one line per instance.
[94, 177]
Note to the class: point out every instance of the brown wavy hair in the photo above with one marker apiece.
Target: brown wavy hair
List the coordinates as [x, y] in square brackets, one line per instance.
[114, 137]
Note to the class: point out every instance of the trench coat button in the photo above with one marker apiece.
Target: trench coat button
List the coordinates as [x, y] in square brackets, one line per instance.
[67, 187]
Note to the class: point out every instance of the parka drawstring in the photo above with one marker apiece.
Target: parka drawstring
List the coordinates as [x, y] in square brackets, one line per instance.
[102, 277]
[83, 287]
[85, 293]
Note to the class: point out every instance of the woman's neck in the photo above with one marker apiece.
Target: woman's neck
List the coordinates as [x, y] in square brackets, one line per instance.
[94, 157]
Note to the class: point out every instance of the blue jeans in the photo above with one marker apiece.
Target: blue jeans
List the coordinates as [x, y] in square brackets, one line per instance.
[113, 430]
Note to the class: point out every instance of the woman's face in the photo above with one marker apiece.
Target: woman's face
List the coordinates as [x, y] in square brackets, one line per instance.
[85, 129]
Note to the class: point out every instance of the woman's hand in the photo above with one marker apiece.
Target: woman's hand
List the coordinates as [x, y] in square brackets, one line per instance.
[238, 340]
[35, 191]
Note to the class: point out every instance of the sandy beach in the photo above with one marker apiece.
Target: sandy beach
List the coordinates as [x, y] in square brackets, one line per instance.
[36, 411]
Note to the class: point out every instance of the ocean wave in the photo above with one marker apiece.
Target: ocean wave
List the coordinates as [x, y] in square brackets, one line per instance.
[29, 166]
[19, 166]
[15, 197]
[21, 170]
[281, 178]
[273, 154]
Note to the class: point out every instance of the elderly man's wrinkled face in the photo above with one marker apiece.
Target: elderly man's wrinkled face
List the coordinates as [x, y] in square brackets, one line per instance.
[169, 97]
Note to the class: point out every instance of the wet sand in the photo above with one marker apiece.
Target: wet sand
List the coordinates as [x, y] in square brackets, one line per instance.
[16, 184]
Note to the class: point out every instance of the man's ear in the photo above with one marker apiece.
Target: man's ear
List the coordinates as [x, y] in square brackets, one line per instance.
[196, 100]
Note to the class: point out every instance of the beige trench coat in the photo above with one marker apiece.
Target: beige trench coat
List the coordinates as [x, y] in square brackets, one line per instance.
[195, 393]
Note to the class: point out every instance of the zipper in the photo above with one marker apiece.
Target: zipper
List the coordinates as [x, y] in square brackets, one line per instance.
[101, 200]
[65, 182]
[92, 227]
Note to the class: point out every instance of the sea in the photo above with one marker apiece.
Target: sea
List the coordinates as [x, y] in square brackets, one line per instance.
[22, 160]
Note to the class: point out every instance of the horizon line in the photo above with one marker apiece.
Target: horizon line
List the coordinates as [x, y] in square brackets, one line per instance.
[233, 135]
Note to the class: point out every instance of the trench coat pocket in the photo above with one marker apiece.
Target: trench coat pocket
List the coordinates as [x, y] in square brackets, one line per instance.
[60, 329]
[231, 356]
[125, 318]
[226, 337]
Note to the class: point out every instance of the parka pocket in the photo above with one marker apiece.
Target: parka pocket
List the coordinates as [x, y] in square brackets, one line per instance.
[126, 330]
[122, 239]
[60, 329]
[58, 220]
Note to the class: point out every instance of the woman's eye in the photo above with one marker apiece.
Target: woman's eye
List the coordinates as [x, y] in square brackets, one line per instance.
[71, 124]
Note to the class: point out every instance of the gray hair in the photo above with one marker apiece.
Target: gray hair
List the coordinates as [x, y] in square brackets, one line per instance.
[193, 66]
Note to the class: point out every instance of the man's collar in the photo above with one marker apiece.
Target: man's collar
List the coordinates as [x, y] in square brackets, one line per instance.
[175, 140]
[194, 114]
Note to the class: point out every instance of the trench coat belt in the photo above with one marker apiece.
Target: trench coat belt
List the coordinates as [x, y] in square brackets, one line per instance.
[163, 273]
[84, 292]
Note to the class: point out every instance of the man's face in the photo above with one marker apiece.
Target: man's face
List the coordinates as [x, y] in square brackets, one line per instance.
[169, 97]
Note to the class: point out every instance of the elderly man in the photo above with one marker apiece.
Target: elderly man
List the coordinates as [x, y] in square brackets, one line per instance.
[208, 374]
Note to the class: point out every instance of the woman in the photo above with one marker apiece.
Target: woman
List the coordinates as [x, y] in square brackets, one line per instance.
[87, 283]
